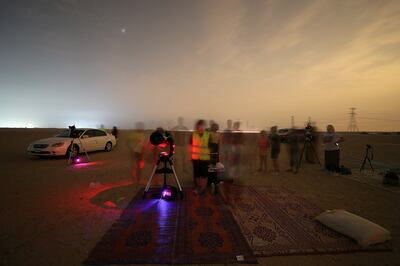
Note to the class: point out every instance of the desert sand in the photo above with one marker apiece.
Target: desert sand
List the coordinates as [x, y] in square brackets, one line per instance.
[51, 216]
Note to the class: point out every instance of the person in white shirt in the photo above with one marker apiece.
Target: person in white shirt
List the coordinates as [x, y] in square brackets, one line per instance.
[331, 141]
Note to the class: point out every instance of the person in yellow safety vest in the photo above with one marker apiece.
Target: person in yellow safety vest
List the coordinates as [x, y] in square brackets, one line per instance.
[200, 153]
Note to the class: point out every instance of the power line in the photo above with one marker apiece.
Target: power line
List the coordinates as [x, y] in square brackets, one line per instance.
[382, 119]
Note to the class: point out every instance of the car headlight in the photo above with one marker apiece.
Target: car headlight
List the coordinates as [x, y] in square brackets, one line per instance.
[58, 144]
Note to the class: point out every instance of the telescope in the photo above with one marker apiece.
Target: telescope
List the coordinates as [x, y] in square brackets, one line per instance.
[162, 139]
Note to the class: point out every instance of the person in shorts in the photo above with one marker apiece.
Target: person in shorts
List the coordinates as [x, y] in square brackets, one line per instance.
[200, 154]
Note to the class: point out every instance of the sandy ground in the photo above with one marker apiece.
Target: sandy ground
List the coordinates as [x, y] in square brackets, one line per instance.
[50, 215]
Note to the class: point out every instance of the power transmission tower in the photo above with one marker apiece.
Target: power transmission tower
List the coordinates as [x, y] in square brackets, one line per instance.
[292, 121]
[352, 123]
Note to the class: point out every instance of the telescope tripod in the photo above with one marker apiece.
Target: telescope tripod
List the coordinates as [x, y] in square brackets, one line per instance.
[369, 155]
[73, 151]
[167, 168]
[308, 143]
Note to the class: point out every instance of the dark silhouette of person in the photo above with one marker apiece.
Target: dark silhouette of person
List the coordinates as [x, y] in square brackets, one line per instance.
[275, 141]
[263, 146]
[237, 143]
[293, 141]
[115, 132]
[215, 138]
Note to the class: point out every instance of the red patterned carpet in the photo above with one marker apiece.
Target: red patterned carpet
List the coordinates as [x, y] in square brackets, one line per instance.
[193, 230]
[277, 221]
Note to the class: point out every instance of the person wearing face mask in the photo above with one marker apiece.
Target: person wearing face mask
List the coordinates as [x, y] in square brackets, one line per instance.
[200, 154]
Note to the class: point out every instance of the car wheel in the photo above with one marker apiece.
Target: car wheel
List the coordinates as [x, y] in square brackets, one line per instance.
[108, 146]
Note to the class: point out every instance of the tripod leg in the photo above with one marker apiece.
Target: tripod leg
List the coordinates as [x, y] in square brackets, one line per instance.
[150, 179]
[70, 152]
[177, 180]
[370, 164]
[301, 156]
[84, 149]
[315, 154]
[363, 164]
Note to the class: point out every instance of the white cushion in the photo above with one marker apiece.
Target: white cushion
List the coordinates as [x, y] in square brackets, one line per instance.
[363, 231]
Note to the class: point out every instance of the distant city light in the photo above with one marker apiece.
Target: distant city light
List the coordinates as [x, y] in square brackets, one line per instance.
[18, 124]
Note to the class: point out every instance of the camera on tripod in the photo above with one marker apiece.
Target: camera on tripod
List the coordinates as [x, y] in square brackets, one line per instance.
[369, 156]
[309, 138]
[309, 132]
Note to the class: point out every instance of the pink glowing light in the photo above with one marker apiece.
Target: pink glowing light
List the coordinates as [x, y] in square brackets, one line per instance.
[166, 193]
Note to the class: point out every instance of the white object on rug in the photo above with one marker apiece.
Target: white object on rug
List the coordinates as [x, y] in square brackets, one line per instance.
[360, 229]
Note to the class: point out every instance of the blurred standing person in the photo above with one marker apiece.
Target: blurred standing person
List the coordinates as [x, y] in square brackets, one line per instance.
[237, 142]
[331, 141]
[293, 141]
[199, 144]
[137, 146]
[312, 136]
[210, 123]
[215, 138]
[226, 145]
[263, 146]
[275, 140]
[115, 132]
[181, 137]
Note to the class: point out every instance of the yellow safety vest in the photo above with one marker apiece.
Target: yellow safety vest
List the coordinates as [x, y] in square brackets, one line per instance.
[200, 150]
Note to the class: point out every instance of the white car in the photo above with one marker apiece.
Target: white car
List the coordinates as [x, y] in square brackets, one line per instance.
[88, 139]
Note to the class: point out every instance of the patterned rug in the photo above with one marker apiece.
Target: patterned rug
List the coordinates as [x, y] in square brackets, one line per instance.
[277, 221]
[197, 229]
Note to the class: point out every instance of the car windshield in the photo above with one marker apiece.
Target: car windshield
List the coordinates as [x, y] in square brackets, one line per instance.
[65, 133]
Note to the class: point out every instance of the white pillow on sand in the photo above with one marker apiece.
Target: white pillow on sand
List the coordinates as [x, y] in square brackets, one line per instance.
[363, 231]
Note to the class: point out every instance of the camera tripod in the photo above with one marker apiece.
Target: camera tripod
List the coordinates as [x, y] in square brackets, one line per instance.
[308, 143]
[73, 152]
[369, 156]
[167, 168]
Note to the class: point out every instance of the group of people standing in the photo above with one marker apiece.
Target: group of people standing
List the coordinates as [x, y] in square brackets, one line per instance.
[208, 146]
[265, 142]
[300, 143]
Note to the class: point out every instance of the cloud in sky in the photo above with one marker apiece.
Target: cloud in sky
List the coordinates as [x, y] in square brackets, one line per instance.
[258, 61]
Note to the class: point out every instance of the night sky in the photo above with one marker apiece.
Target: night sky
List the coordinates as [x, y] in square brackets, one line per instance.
[119, 62]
